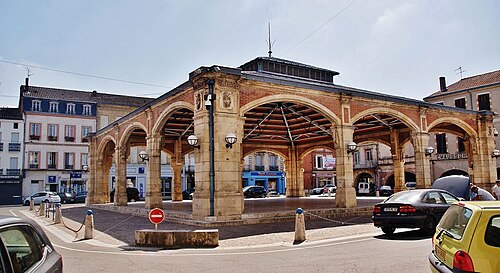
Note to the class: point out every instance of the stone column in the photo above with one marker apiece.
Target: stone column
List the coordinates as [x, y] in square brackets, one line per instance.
[153, 178]
[346, 193]
[292, 174]
[422, 162]
[484, 163]
[120, 196]
[177, 163]
[398, 162]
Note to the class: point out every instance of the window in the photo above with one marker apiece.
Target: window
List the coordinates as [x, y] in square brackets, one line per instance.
[52, 132]
[460, 103]
[87, 110]
[492, 236]
[85, 131]
[24, 245]
[53, 107]
[69, 161]
[483, 101]
[35, 131]
[85, 159]
[34, 159]
[441, 144]
[369, 155]
[35, 105]
[455, 220]
[51, 160]
[15, 125]
[70, 109]
[259, 162]
[69, 133]
[460, 145]
[318, 161]
[273, 162]
[356, 158]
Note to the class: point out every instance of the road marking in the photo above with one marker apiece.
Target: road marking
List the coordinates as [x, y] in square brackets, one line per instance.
[13, 213]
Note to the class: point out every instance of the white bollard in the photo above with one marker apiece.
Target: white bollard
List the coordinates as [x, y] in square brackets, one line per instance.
[89, 225]
[57, 218]
[32, 204]
[42, 209]
[300, 227]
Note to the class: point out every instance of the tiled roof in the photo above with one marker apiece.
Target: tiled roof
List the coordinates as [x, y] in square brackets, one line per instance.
[10, 113]
[84, 96]
[471, 82]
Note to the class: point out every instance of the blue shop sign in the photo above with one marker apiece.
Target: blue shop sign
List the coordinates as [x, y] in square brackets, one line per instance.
[52, 179]
[257, 173]
[75, 175]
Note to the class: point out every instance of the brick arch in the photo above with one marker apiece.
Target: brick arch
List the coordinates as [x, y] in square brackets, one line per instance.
[104, 142]
[267, 150]
[165, 114]
[456, 121]
[370, 172]
[404, 118]
[376, 140]
[291, 98]
[312, 149]
[130, 128]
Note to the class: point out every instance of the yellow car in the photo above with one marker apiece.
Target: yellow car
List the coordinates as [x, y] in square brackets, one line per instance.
[467, 238]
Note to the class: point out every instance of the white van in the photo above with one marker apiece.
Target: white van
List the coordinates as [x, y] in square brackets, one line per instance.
[363, 188]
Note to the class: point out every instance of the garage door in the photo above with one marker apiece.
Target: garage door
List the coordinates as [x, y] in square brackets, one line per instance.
[11, 192]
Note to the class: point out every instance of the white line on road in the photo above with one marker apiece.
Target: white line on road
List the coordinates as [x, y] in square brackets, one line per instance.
[13, 213]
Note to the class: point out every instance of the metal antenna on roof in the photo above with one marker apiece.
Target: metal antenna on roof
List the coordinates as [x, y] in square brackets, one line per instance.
[29, 74]
[461, 71]
[270, 45]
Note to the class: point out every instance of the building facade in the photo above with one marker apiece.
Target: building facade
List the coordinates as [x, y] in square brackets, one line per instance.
[264, 169]
[11, 156]
[481, 93]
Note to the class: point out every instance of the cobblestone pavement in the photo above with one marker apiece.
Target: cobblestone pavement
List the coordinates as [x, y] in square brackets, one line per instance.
[122, 227]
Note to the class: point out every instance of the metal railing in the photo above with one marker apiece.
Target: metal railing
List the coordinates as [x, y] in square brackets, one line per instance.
[14, 147]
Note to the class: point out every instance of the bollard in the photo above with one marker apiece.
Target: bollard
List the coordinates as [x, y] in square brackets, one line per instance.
[89, 225]
[329, 192]
[32, 204]
[300, 227]
[42, 209]
[377, 193]
[57, 218]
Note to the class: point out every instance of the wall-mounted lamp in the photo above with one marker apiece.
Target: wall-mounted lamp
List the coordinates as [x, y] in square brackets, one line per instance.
[193, 141]
[144, 156]
[230, 140]
[351, 147]
[496, 153]
[429, 150]
[85, 168]
[208, 102]
[495, 132]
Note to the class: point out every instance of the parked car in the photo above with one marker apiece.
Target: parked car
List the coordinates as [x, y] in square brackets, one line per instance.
[42, 196]
[421, 208]
[132, 194]
[467, 238]
[459, 186]
[254, 191]
[329, 188]
[317, 191]
[411, 185]
[24, 247]
[385, 190]
[66, 197]
[187, 194]
[80, 197]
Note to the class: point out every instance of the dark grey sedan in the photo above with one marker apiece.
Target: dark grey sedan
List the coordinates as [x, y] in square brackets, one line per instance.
[421, 208]
[24, 247]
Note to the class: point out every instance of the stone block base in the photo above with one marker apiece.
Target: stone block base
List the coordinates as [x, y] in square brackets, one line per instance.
[177, 238]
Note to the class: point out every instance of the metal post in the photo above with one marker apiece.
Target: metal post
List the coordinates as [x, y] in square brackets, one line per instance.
[211, 145]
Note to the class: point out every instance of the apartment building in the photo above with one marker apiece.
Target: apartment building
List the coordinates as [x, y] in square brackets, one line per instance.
[479, 92]
[11, 156]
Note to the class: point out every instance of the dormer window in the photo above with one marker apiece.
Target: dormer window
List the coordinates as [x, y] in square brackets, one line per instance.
[70, 109]
[87, 110]
[36, 106]
[53, 107]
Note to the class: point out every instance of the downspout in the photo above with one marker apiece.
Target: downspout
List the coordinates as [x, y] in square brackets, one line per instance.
[211, 145]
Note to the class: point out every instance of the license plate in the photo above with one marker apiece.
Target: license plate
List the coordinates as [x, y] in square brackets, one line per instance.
[391, 209]
[440, 253]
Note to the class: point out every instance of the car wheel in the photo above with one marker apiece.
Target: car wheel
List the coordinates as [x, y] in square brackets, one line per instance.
[388, 230]
[64, 201]
[46, 200]
[429, 227]
[27, 203]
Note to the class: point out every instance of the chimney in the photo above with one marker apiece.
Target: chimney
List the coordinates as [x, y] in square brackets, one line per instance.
[27, 82]
[442, 84]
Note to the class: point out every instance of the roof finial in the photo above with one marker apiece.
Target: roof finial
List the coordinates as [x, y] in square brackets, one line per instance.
[269, 41]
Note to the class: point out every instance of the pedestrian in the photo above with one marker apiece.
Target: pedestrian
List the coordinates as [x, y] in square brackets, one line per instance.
[474, 196]
[496, 190]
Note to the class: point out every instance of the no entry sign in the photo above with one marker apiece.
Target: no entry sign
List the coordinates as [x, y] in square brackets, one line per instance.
[156, 216]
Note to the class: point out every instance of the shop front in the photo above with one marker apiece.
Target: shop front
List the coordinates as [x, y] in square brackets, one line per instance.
[274, 182]
[322, 178]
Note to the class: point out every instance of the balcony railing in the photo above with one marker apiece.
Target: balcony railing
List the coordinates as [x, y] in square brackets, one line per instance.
[1, 147]
[33, 166]
[274, 168]
[52, 138]
[14, 147]
[70, 167]
[51, 166]
[260, 168]
[13, 172]
[34, 137]
[69, 139]
[85, 139]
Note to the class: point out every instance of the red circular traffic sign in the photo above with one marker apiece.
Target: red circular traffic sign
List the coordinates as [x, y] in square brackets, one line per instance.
[156, 216]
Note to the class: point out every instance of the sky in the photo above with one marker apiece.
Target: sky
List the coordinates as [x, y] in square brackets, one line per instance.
[146, 48]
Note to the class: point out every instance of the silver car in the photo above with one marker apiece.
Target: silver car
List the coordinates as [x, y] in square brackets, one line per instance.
[24, 247]
[43, 196]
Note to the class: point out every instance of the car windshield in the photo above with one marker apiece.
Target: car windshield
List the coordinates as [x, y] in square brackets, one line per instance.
[406, 196]
[455, 220]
